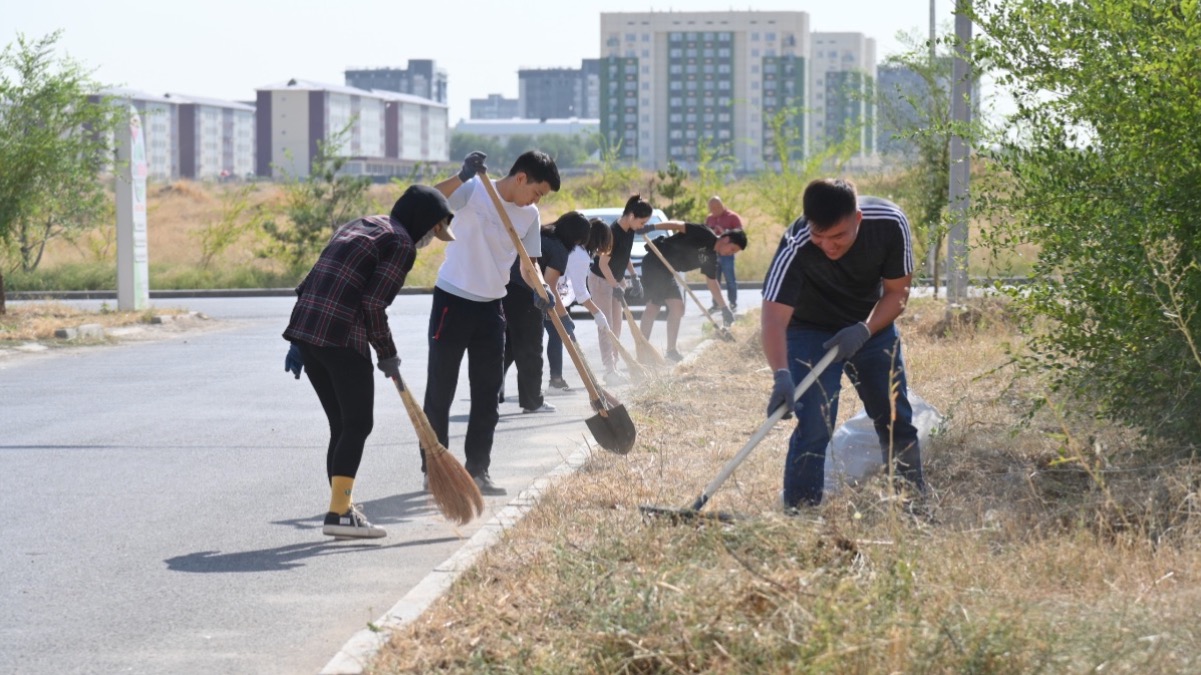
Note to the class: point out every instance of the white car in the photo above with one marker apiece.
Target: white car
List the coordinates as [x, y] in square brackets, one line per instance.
[638, 252]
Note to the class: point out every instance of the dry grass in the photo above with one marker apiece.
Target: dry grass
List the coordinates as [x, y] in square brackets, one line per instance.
[1049, 545]
[36, 322]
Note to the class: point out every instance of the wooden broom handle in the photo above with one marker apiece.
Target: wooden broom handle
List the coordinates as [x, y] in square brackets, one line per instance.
[580, 366]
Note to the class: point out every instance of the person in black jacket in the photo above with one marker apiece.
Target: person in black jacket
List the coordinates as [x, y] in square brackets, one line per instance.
[339, 316]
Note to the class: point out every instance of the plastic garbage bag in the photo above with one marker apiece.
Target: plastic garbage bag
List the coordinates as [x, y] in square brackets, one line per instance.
[854, 452]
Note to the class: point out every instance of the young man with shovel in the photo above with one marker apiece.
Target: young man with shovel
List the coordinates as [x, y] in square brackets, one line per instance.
[467, 315]
[692, 247]
[839, 280]
[340, 311]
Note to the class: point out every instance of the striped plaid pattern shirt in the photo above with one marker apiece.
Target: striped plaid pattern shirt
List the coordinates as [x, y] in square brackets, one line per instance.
[343, 300]
[833, 294]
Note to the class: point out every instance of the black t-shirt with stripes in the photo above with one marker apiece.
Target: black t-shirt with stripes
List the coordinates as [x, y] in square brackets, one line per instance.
[833, 294]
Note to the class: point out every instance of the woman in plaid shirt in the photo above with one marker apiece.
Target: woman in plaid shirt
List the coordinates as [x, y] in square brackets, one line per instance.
[339, 311]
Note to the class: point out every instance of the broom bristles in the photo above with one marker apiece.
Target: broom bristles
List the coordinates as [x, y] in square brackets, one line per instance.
[643, 345]
[453, 490]
[637, 369]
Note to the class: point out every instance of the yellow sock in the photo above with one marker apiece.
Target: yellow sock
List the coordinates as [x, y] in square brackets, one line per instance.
[339, 498]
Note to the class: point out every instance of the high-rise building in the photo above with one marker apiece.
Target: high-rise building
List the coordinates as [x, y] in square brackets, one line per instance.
[385, 132]
[675, 83]
[422, 78]
[903, 103]
[216, 138]
[494, 107]
[559, 93]
[843, 73]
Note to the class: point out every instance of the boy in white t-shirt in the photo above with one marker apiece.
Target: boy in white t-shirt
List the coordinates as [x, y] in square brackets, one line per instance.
[467, 316]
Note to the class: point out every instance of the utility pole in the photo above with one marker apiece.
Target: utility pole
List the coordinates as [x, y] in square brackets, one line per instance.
[959, 199]
[933, 253]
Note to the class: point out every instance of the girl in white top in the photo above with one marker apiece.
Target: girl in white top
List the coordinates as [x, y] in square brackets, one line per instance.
[600, 241]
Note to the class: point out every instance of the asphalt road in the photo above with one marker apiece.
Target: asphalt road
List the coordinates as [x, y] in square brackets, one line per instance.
[164, 498]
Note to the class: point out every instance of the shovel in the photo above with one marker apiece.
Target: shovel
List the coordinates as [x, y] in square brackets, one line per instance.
[693, 512]
[722, 331]
[643, 345]
[611, 426]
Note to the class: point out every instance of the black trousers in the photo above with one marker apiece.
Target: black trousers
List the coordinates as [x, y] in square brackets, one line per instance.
[523, 344]
[342, 378]
[459, 326]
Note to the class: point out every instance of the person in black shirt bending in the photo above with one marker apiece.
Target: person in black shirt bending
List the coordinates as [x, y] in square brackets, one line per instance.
[691, 247]
[839, 280]
[607, 277]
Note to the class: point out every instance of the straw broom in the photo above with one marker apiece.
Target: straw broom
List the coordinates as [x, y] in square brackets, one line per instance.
[454, 491]
[637, 369]
[645, 348]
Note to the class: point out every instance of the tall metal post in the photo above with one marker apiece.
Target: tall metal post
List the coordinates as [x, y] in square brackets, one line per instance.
[959, 199]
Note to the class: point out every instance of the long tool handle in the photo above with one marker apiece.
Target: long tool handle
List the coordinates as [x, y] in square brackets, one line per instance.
[644, 345]
[680, 278]
[775, 416]
[576, 357]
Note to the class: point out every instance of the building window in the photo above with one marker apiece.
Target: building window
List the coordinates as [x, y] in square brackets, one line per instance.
[754, 37]
[646, 86]
[770, 37]
[630, 37]
[646, 37]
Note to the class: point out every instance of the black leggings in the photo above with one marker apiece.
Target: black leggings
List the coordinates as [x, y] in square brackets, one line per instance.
[342, 378]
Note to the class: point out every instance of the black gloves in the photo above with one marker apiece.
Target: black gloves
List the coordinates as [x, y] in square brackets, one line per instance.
[848, 340]
[782, 393]
[636, 287]
[727, 316]
[472, 165]
[391, 367]
[294, 362]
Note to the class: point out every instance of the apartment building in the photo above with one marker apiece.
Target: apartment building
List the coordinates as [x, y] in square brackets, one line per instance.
[559, 93]
[673, 83]
[384, 132]
[422, 78]
[160, 124]
[843, 73]
[215, 138]
[495, 107]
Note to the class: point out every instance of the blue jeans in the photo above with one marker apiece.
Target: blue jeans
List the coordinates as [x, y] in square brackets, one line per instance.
[874, 370]
[725, 273]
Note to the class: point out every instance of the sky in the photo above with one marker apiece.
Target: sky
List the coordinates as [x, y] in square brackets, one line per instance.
[226, 48]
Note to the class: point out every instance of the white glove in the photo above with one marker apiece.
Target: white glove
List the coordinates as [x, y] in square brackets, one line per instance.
[602, 324]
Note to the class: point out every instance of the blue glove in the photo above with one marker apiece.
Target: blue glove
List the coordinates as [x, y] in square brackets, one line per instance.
[782, 393]
[848, 340]
[391, 367]
[294, 362]
[472, 165]
[569, 326]
[543, 299]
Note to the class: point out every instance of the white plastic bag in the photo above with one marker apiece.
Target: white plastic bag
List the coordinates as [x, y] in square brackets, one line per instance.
[854, 451]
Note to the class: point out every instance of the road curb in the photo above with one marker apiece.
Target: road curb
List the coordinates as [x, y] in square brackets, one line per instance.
[364, 645]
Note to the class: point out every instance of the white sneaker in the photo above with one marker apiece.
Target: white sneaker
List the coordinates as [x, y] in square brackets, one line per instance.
[352, 524]
[614, 378]
[544, 408]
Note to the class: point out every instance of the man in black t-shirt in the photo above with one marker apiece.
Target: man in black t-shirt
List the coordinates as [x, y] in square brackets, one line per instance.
[839, 280]
[691, 247]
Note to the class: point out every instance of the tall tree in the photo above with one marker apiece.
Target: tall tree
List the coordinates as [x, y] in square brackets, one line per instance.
[1105, 160]
[54, 145]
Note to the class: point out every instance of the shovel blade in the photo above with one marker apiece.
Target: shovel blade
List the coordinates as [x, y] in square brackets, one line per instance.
[613, 431]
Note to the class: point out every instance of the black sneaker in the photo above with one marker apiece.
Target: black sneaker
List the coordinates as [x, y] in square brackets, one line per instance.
[487, 487]
[560, 384]
[714, 309]
[673, 355]
[351, 525]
